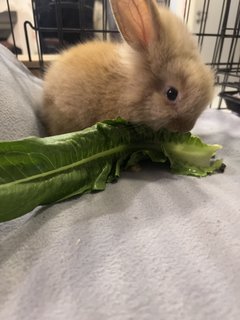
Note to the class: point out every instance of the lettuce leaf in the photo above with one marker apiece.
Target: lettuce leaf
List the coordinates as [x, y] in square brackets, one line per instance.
[41, 171]
[188, 155]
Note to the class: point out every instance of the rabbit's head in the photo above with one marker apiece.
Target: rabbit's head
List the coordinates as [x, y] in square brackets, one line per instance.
[178, 85]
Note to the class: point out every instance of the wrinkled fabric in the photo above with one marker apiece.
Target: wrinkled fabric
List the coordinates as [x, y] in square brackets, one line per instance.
[152, 246]
[20, 99]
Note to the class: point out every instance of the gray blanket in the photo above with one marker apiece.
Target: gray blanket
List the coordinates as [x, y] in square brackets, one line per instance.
[153, 246]
[20, 98]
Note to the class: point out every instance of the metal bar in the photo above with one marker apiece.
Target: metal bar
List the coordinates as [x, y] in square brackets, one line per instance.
[186, 10]
[75, 30]
[81, 17]
[235, 38]
[217, 43]
[105, 19]
[201, 24]
[224, 26]
[205, 16]
[27, 39]
[59, 20]
[37, 35]
[12, 31]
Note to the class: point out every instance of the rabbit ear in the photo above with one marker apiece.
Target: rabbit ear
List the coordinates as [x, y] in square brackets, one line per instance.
[138, 21]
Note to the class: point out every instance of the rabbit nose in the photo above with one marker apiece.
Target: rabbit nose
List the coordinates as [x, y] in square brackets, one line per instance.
[181, 125]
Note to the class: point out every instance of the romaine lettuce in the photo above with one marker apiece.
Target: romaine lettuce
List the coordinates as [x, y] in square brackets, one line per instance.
[41, 171]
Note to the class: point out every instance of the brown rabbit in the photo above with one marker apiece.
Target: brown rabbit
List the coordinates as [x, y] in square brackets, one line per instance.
[156, 76]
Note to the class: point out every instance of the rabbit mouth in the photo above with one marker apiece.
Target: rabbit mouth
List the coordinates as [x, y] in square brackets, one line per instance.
[180, 125]
[156, 124]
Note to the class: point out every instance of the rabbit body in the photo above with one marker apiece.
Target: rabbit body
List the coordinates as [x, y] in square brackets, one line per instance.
[156, 76]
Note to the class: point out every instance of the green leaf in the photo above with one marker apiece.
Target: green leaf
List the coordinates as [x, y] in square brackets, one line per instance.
[188, 155]
[40, 171]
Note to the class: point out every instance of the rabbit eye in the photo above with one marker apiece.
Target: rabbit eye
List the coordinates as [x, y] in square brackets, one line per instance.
[172, 94]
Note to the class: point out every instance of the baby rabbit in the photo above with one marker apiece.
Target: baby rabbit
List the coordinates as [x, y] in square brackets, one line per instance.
[155, 77]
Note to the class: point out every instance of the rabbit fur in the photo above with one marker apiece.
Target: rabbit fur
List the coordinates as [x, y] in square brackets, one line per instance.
[134, 79]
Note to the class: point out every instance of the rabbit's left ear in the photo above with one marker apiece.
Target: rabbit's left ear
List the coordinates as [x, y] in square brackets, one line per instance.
[137, 20]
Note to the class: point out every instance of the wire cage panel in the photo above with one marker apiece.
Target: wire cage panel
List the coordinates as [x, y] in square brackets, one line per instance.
[48, 26]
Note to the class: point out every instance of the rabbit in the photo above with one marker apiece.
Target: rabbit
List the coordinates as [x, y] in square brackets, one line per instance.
[155, 77]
